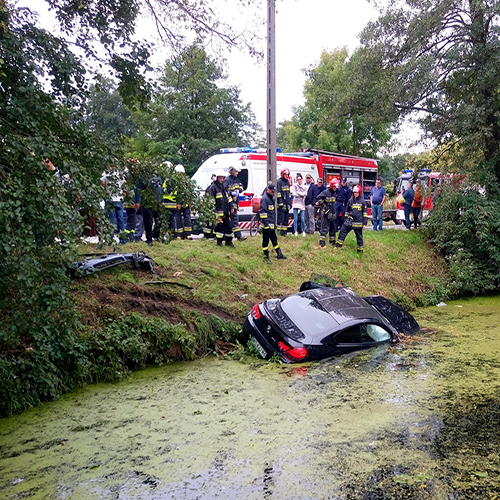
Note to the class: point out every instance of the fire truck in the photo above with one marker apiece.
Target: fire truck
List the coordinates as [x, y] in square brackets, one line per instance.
[252, 166]
[428, 179]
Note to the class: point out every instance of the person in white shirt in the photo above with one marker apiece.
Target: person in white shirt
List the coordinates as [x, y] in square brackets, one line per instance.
[299, 192]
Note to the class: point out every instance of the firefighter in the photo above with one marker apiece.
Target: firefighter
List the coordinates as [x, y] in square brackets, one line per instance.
[267, 217]
[223, 207]
[355, 219]
[344, 194]
[208, 230]
[182, 214]
[132, 200]
[326, 199]
[234, 187]
[284, 201]
[168, 209]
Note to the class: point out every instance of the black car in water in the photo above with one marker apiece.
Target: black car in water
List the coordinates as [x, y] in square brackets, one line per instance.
[319, 322]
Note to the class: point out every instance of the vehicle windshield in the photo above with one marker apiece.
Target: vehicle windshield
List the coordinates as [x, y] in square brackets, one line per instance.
[375, 333]
[308, 315]
[203, 178]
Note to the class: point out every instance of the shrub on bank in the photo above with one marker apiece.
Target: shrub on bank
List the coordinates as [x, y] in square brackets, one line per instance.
[465, 227]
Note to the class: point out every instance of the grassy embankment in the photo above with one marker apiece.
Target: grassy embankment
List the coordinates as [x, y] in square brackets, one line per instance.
[226, 282]
[127, 323]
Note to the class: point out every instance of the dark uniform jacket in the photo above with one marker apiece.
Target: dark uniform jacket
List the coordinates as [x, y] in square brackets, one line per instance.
[356, 208]
[327, 199]
[267, 212]
[283, 194]
[232, 183]
[344, 194]
[223, 203]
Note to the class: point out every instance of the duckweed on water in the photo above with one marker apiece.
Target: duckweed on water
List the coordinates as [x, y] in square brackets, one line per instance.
[416, 421]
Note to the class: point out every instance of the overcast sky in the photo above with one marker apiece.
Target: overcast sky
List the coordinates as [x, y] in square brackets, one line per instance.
[304, 28]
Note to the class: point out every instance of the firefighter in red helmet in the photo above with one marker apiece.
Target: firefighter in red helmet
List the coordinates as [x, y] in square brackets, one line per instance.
[356, 218]
[326, 200]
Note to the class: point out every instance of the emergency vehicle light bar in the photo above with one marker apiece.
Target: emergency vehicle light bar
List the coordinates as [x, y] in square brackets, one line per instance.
[246, 150]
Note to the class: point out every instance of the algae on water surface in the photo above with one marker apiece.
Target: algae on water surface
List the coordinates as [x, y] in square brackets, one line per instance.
[415, 421]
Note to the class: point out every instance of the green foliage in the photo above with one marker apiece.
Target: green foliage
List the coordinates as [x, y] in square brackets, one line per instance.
[58, 363]
[192, 114]
[465, 227]
[106, 114]
[40, 208]
[150, 178]
[442, 59]
[130, 342]
[344, 110]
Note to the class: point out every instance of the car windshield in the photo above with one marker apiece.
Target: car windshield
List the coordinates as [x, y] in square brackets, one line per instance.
[308, 315]
[375, 333]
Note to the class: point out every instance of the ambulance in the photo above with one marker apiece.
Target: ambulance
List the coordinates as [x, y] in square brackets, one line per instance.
[252, 166]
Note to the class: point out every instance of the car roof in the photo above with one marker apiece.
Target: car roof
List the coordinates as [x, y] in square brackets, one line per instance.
[343, 305]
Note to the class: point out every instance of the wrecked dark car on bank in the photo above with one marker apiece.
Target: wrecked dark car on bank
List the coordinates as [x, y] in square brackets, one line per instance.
[321, 321]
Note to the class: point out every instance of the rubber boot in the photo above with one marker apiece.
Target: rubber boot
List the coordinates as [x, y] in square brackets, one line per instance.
[279, 254]
[229, 241]
[266, 257]
[219, 242]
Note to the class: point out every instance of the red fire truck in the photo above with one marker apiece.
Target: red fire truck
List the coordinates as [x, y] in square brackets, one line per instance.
[252, 166]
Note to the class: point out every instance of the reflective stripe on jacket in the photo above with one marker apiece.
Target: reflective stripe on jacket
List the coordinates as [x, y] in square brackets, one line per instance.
[222, 199]
[356, 208]
[327, 199]
[283, 198]
[267, 212]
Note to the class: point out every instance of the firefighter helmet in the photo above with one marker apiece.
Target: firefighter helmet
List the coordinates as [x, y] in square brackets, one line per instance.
[285, 171]
[334, 183]
[220, 173]
[356, 189]
[180, 168]
[232, 170]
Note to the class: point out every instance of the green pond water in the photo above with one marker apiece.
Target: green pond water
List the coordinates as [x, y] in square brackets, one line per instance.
[421, 420]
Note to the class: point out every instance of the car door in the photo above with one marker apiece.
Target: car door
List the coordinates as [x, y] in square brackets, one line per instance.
[356, 337]
[343, 342]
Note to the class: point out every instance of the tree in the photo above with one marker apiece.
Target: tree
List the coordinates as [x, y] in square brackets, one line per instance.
[50, 170]
[41, 126]
[444, 60]
[105, 112]
[193, 114]
[344, 107]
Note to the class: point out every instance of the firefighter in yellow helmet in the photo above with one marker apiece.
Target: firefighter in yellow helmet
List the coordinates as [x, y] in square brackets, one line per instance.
[223, 206]
[183, 226]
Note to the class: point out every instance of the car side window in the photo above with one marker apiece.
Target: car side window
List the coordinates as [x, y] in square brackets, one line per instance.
[349, 336]
[374, 333]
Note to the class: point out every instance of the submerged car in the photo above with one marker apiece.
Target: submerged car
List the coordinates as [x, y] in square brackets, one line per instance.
[320, 321]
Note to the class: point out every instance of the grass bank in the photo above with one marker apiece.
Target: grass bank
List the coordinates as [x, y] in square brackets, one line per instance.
[227, 281]
[196, 302]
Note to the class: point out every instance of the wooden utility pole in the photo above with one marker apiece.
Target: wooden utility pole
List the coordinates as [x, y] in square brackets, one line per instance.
[271, 92]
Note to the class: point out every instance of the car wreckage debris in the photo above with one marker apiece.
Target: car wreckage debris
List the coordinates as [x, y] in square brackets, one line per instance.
[99, 262]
